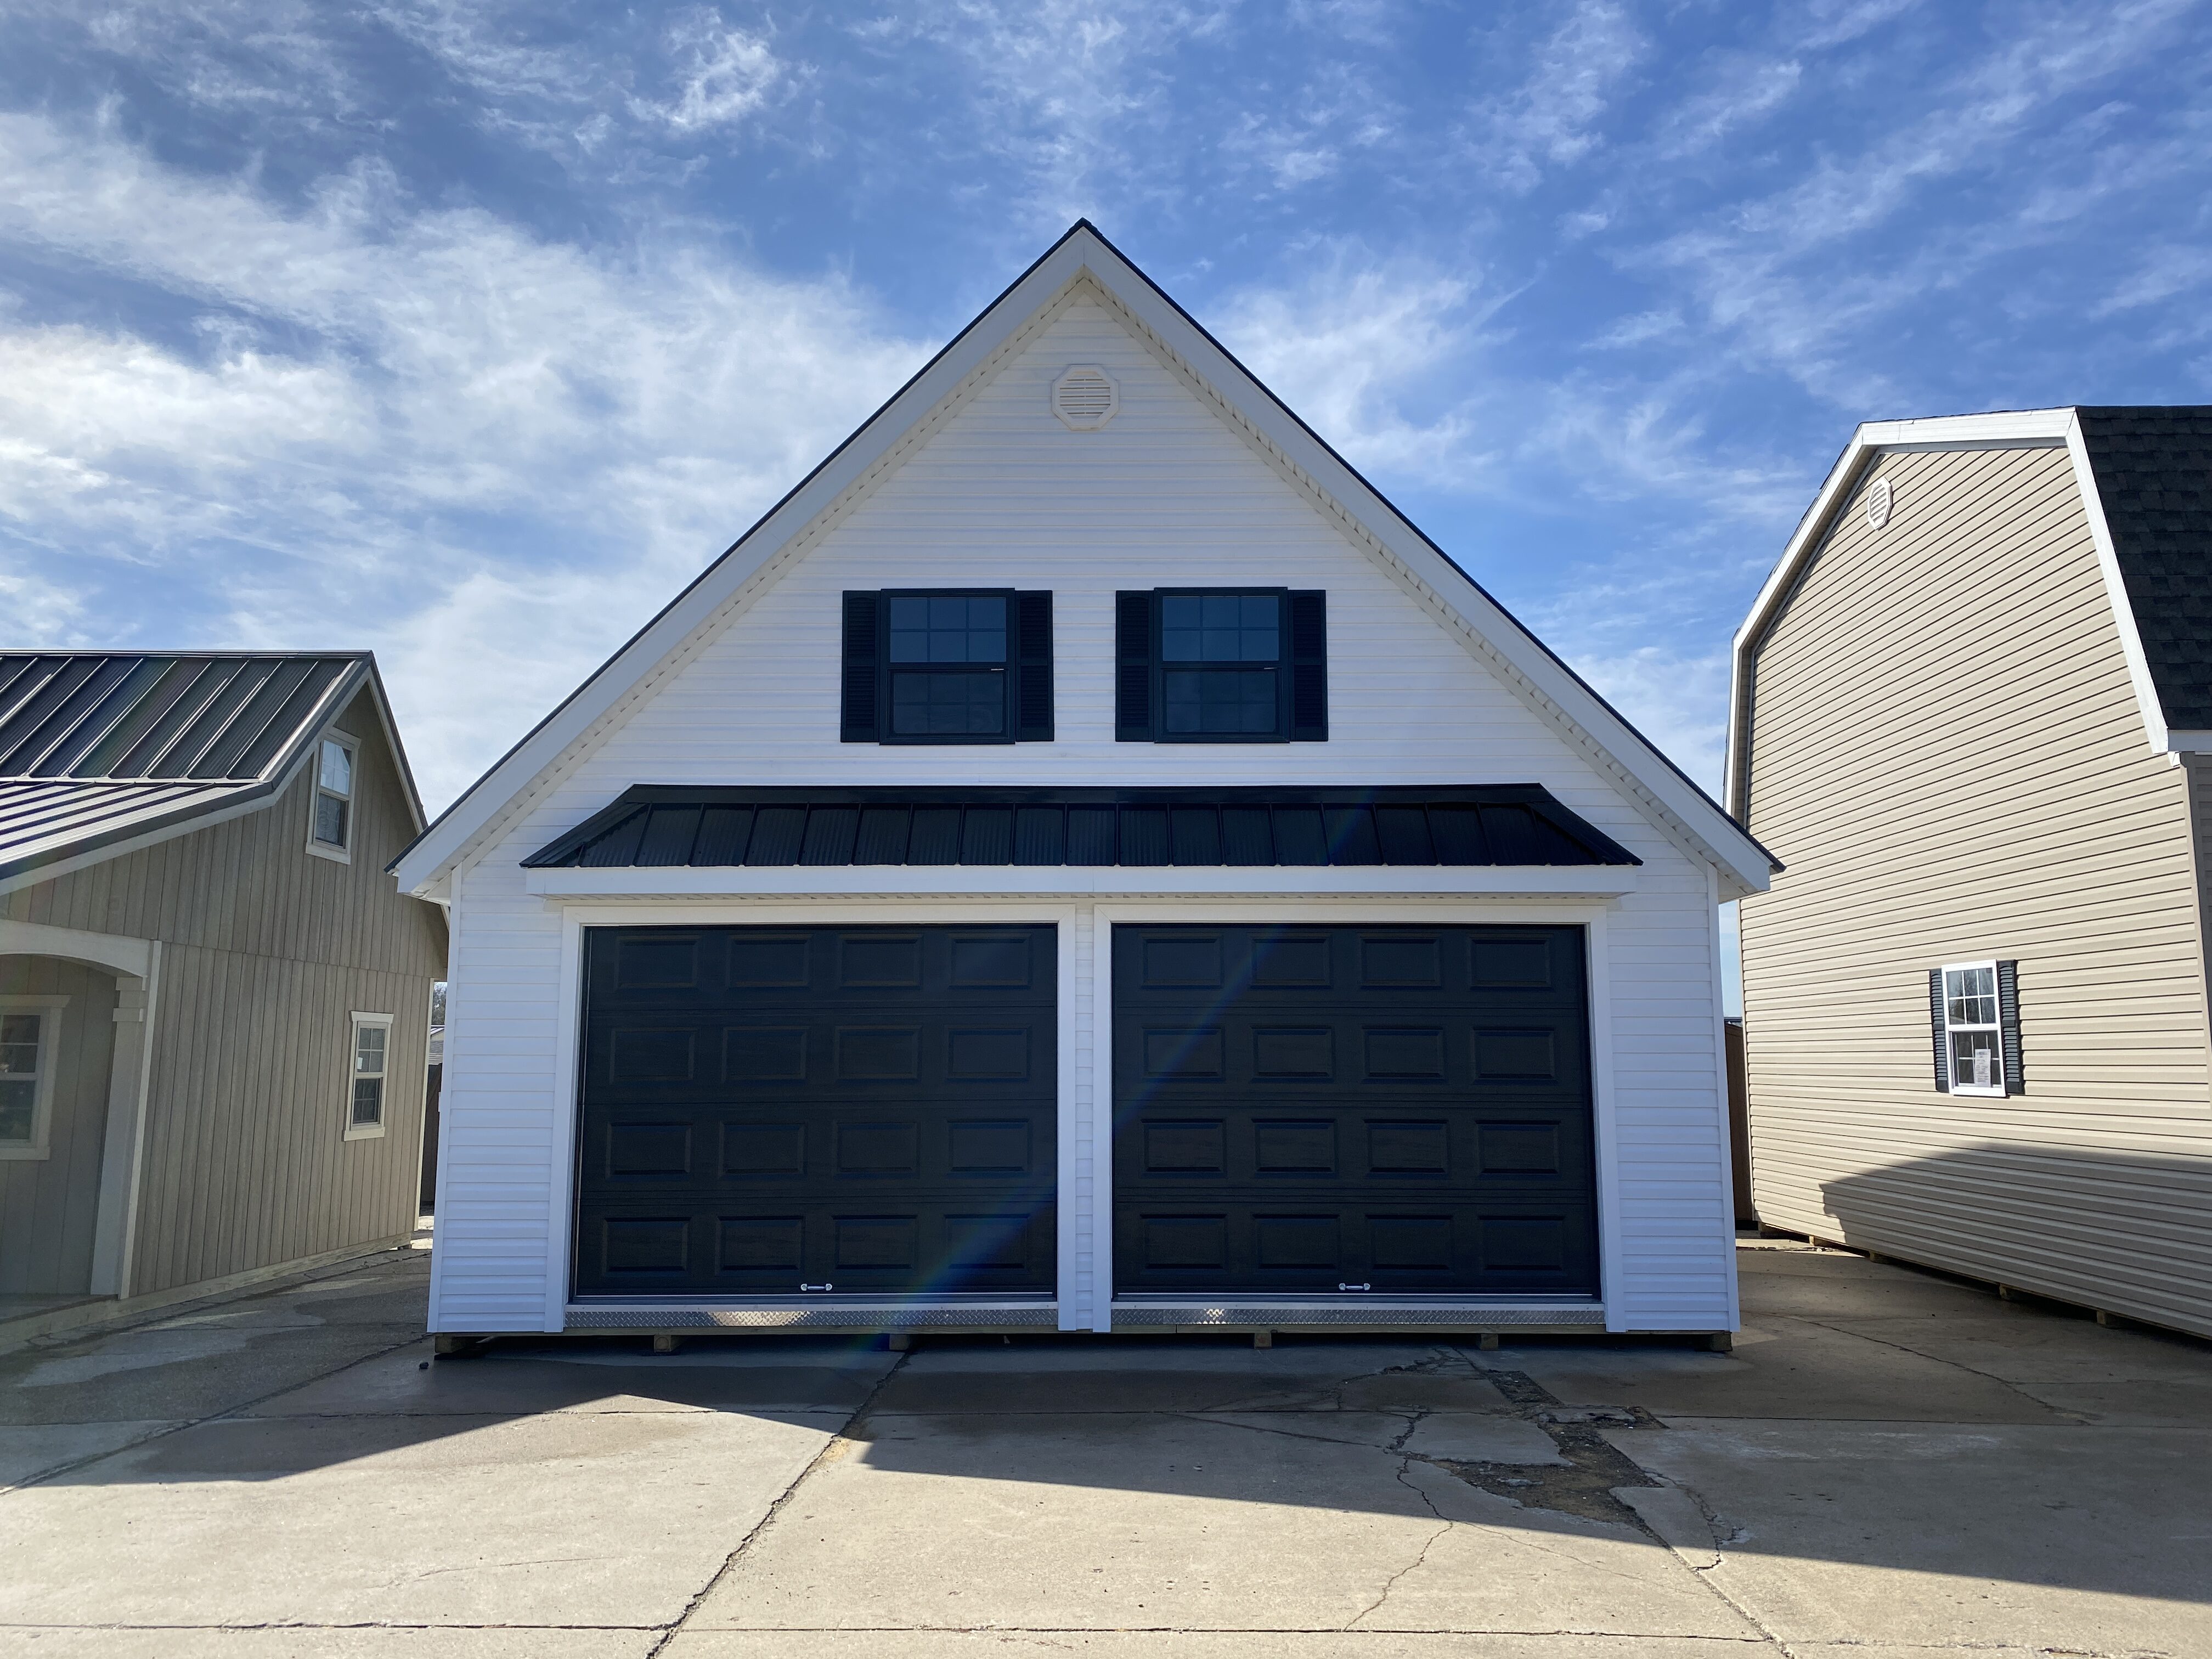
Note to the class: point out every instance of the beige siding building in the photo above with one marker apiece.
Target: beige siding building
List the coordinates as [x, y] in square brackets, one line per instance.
[1968, 710]
[214, 1008]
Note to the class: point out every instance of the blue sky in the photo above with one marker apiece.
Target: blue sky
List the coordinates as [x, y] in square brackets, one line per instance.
[468, 332]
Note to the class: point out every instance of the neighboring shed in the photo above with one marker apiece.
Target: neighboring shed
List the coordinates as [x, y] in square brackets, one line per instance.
[214, 1010]
[1973, 715]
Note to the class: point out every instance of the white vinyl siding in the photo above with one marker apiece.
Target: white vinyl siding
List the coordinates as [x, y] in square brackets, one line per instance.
[2056, 838]
[1003, 495]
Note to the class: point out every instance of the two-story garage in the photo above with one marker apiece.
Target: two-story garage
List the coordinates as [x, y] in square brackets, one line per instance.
[1084, 861]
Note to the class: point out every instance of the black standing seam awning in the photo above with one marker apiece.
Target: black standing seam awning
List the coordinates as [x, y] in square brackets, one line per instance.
[663, 826]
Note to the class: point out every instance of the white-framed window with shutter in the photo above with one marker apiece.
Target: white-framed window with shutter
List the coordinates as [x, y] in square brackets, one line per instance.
[368, 1076]
[30, 1040]
[329, 811]
[1974, 1018]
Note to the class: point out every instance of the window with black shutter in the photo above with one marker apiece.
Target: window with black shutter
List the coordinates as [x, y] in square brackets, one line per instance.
[1221, 665]
[1973, 1014]
[947, 666]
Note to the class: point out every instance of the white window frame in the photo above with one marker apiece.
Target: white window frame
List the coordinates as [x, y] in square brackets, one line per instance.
[1997, 1090]
[351, 744]
[367, 1131]
[39, 1146]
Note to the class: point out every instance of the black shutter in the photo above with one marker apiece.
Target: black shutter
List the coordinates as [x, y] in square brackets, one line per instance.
[1033, 653]
[859, 721]
[2008, 1021]
[1132, 668]
[1936, 1030]
[1310, 667]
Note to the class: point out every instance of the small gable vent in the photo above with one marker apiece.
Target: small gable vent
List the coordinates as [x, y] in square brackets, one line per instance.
[1084, 398]
[1878, 503]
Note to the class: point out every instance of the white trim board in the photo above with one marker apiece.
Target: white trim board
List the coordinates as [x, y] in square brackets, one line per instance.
[789, 529]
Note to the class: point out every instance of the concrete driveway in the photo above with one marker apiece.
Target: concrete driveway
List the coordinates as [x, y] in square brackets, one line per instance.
[1888, 1464]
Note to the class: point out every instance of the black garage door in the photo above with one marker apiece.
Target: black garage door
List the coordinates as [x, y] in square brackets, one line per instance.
[1352, 1109]
[826, 1110]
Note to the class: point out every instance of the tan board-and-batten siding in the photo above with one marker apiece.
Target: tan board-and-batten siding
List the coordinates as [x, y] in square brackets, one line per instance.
[266, 951]
[1947, 752]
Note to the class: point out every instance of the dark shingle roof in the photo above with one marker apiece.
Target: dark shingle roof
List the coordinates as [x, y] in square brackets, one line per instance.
[2154, 472]
[100, 747]
[662, 826]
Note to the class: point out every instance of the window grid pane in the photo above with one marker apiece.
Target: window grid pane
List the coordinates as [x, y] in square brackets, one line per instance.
[959, 629]
[19, 1076]
[369, 1048]
[331, 814]
[336, 768]
[1221, 702]
[1976, 1061]
[19, 1108]
[972, 704]
[368, 1101]
[1220, 628]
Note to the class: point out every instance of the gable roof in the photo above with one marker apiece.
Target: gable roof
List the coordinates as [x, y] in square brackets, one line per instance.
[973, 355]
[2145, 478]
[105, 751]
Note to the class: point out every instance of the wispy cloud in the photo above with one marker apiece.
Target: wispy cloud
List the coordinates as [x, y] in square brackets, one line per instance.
[1554, 118]
[463, 430]
[723, 74]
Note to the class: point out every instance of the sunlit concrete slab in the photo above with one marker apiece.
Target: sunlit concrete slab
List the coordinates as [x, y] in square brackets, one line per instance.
[2068, 1538]
[320, 1641]
[1204, 1644]
[564, 1518]
[1158, 1520]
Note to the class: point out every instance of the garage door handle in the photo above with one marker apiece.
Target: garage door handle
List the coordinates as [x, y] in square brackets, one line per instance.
[1355, 1287]
[817, 1287]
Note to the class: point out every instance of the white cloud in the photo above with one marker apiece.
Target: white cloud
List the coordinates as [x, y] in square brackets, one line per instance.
[488, 454]
[725, 74]
[1553, 118]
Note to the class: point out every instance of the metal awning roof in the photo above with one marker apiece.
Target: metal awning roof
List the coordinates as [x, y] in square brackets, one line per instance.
[702, 827]
[102, 748]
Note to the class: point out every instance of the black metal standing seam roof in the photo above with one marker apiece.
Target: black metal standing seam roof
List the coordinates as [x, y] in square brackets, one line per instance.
[661, 826]
[2154, 472]
[97, 747]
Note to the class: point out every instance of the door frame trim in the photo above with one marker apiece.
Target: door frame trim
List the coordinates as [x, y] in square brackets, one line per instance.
[1596, 967]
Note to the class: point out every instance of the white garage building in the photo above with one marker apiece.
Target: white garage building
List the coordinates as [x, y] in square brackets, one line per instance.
[1084, 861]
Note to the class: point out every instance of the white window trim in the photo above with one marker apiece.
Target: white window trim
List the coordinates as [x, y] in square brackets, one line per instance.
[365, 1131]
[351, 744]
[39, 1146]
[1998, 1091]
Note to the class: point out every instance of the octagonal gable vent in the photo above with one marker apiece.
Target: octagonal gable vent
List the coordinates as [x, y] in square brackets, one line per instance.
[1084, 398]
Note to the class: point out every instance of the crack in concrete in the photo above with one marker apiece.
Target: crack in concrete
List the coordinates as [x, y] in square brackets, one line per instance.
[2006, 1383]
[1445, 1525]
[839, 1444]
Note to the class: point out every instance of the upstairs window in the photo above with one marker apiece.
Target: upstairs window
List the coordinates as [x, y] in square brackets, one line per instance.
[947, 666]
[330, 830]
[1221, 665]
[372, 1045]
[28, 1028]
[1974, 1012]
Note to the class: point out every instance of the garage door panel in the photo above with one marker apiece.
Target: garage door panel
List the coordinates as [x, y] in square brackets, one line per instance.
[1274, 1086]
[765, 1108]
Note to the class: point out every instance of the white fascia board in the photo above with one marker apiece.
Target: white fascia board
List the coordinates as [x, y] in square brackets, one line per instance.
[1081, 252]
[2011, 427]
[904, 881]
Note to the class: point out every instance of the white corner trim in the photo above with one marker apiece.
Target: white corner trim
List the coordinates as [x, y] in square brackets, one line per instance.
[932, 881]
[1081, 254]
[2116, 590]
